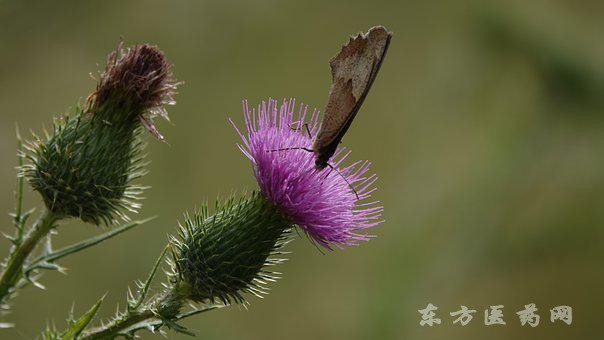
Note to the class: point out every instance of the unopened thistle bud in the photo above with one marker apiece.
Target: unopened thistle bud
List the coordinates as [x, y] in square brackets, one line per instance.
[85, 167]
[223, 256]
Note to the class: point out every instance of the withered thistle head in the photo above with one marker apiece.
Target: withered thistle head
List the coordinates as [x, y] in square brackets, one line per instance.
[139, 81]
[86, 166]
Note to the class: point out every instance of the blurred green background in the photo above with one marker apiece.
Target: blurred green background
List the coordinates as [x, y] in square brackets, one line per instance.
[485, 126]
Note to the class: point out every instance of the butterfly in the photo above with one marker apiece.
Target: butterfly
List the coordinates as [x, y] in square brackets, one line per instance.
[353, 71]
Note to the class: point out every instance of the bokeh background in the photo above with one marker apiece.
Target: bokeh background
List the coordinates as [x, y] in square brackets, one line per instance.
[485, 126]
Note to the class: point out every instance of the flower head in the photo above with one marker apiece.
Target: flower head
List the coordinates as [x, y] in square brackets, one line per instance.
[85, 168]
[139, 80]
[230, 253]
[321, 202]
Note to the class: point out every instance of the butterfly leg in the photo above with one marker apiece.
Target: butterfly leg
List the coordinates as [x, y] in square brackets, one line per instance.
[308, 130]
[296, 127]
[332, 168]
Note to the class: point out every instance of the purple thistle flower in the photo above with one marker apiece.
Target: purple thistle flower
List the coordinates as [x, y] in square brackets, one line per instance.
[321, 202]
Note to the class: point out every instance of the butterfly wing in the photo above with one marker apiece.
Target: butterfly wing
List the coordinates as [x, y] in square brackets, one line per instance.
[353, 71]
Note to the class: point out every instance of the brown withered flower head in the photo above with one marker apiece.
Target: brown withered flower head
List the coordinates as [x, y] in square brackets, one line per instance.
[87, 166]
[138, 80]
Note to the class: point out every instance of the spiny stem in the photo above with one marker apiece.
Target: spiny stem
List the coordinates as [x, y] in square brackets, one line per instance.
[166, 306]
[116, 327]
[13, 270]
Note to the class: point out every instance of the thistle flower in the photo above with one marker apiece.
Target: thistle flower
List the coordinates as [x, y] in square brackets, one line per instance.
[85, 167]
[220, 257]
[321, 202]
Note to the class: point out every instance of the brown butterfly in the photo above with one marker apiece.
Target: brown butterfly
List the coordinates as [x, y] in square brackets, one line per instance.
[353, 71]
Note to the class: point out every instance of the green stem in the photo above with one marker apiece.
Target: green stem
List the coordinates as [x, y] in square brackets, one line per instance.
[13, 270]
[167, 305]
[117, 327]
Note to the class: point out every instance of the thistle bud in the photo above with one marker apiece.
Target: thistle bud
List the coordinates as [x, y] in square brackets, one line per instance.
[85, 167]
[223, 256]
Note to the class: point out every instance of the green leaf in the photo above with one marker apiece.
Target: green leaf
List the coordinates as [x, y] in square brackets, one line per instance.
[42, 261]
[144, 289]
[18, 217]
[75, 327]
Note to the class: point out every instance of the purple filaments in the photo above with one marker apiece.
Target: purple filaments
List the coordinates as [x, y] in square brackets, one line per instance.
[321, 202]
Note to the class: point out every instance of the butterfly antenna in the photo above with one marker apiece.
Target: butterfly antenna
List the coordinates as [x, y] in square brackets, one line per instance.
[295, 148]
